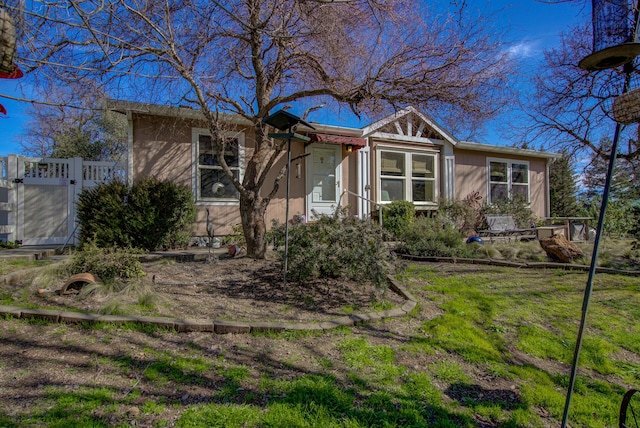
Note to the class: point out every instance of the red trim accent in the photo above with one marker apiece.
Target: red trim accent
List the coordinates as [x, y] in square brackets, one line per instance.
[339, 139]
[2, 109]
[15, 74]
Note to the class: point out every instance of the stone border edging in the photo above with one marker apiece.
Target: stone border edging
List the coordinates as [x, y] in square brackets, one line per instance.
[506, 263]
[216, 326]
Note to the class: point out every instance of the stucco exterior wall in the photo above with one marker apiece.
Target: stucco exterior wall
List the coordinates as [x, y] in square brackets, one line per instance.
[471, 175]
[163, 149]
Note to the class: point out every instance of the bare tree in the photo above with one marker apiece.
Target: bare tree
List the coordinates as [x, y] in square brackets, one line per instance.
[85, 130]
[571, 108]
[248, 57]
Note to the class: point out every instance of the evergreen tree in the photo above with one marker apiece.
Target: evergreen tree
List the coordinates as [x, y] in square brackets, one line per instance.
[563, 188]
[626, 174]
[624, 194]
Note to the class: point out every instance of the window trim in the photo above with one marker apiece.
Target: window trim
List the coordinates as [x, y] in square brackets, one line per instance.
[407, 177]
[195, 166]
[509, 163]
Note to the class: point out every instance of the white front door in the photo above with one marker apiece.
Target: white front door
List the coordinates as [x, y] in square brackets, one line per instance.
[323, 178]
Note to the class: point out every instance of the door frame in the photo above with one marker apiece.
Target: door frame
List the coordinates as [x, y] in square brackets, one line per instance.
[364, 182]
[324, 207]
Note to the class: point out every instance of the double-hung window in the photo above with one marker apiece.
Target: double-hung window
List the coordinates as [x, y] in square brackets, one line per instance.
[408, 176]
[508, 180]
[212, 184]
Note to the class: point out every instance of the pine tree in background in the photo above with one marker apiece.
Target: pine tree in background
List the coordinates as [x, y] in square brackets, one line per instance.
[563, 188]
[623, 210]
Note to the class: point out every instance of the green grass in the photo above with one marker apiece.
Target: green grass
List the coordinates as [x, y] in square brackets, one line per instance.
[490, 316]
[488, 346]
[8, 266]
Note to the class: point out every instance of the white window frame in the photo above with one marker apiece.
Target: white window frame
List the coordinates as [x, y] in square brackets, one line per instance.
[407, 177]
[509, 182]
[195, 166]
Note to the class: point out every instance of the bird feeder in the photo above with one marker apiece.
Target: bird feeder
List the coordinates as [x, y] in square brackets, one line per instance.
[283, 120]
[626, 107]
[613, 42]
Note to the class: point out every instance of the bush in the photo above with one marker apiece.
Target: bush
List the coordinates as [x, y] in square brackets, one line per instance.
[150, 215]
[518, 208]
[8, 244]
[461, 214]
[107, 263]
[635, 231]
[335, 247]
[398, 216]
[433, 237]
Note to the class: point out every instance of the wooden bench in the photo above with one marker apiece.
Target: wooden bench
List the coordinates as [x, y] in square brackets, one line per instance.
[504, 226]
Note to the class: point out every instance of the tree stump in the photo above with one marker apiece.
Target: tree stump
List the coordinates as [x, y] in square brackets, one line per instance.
[558, 248]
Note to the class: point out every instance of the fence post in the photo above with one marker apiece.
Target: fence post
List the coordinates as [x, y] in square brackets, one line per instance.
[12, 174]
[77, 172]
[7, 227]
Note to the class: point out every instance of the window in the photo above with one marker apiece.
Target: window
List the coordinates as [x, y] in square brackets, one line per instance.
[212, 183]
[407, 176]
[508, 179]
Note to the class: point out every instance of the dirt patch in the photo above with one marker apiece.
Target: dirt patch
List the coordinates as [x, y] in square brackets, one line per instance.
[238, 289]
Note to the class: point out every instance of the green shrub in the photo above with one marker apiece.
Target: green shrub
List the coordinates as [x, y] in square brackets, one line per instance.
[635, 231]
[335, 247]
[107, 263]
[102, 215]
[398, 216]
[8, 244]
[161, 214]
[621, 218]
[433, 237]
[461, 214]
[150, 215]
[236, 236]
[518, 208]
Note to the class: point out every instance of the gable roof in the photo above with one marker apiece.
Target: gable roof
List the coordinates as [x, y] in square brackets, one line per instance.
[409, 124]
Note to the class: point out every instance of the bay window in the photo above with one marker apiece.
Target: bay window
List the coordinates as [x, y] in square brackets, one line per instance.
[409, 176]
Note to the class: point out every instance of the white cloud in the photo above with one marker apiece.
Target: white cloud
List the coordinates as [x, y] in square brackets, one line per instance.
[525, 49]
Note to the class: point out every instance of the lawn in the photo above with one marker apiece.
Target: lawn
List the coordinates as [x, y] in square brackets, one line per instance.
[486, 346]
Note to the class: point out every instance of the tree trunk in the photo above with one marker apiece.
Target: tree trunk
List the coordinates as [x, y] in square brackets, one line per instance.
[252, 213]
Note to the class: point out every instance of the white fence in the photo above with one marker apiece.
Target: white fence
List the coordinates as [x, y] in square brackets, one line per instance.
[38, 196]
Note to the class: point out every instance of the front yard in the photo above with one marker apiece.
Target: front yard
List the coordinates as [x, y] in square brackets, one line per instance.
[486, 346]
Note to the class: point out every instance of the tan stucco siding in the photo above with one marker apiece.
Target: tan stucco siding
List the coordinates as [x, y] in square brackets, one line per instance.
[163, 149]
[539, 195]
[277, 208]
[471, 176]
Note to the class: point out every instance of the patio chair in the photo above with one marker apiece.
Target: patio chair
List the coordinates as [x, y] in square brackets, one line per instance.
[504, 226]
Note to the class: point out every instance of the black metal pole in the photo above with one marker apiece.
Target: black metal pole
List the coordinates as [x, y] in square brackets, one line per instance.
[286, 215]
[628, 70]
[592, 271]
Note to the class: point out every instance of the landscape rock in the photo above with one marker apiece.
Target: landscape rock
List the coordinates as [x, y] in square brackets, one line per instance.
[558, 248]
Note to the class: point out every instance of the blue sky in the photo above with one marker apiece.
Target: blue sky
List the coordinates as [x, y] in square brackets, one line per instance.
[532, 26]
